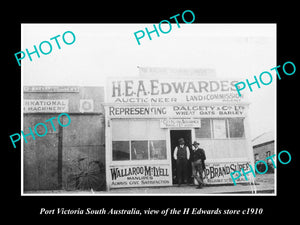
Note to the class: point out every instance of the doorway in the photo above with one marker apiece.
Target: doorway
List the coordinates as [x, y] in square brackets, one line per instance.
[174, 136]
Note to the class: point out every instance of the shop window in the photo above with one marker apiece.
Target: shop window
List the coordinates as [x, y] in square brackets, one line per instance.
[205, 130]
[154, 130]
[120, 150]
[138, 139]
[138, 129]
[139, 150]
[158, 149]
[219, 129]
[120, 130]
[236, 127]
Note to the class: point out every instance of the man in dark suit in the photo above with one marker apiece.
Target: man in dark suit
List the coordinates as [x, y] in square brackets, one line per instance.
[198, 165]
[181, 155]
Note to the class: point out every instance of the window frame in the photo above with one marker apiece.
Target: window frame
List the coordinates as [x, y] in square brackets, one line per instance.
[213, 131]
[112, 151]
[210, 130]
[236, 138]
[130, 159]
[135, 161]
[227, 129]
[149, 150]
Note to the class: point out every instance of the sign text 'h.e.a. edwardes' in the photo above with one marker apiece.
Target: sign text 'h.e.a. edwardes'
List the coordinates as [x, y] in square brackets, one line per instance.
[136, 90]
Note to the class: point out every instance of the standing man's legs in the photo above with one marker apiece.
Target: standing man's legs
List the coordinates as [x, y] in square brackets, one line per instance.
[196, 169]
[200, 170]
[185, 170]
[179, 171]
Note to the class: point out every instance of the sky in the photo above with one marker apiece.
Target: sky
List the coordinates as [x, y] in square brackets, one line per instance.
[238, 51]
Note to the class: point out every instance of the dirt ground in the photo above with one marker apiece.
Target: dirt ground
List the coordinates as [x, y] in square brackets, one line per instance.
[264, 184]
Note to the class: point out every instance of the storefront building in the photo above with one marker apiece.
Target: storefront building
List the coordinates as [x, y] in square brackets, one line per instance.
[264, 147]
[66, 158]
[146, 115]
[128, 138]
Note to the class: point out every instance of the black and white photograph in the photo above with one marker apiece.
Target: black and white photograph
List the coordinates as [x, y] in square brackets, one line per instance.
[151, 112]
[112, 113]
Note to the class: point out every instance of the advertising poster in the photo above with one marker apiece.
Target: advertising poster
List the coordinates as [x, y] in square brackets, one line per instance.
[139, 176]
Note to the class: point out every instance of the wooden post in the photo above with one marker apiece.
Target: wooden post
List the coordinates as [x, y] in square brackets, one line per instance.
[59, 157]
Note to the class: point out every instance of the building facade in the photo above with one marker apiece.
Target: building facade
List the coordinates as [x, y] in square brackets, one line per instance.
[128, 138]
[263, 147]
[66, 158]
[146, 115]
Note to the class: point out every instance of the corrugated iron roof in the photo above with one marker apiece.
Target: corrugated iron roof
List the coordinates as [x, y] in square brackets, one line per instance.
[263, 138]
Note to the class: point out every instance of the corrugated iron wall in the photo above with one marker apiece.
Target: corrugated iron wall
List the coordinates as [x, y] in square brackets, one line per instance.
[40, 156]
[71, 157]
[84, 153]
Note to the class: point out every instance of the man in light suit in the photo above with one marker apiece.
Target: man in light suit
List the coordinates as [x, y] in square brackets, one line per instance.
[198, 165]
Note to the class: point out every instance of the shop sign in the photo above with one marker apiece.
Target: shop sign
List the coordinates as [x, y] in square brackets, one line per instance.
[220, 172]
[45, 105]
[139, 176]
[134, 90]
[86, 105]
[170, 123]
[50, 89]
[176, 111]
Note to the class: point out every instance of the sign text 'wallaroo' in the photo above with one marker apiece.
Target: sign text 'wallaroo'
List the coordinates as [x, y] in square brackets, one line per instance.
[144, 175]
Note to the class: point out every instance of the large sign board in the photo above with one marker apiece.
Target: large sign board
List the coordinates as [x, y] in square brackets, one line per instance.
[45, 105]
[50, 89]
[160, 175]
[139, 176]
[171, 123]
[141, 90]
[220, 172]
[182, 111]
[175, 72]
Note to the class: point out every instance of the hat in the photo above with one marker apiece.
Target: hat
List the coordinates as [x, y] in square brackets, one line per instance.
[180, 140]
[196, 143]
